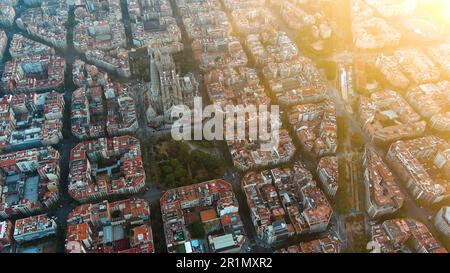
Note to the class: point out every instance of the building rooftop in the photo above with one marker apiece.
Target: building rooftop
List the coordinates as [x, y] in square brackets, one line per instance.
[249, 154]
[21, 46]
[100, 34]
[30, 120]
[153, 25]
[106, 167]
[3, 43]
[273, 194]
[430, 101]
[382, 191]
[424, 163]
[32, 73]
[387, 117]
[206, 202]
[88, 75]
[87, 113]
[31, 181]
[103, 228]
[388, 8]
[403, 235]
[47, 21]
[316, 127]
[374, 33]
[33, 224]
[328, 169]
[440, 54]
[328, 244]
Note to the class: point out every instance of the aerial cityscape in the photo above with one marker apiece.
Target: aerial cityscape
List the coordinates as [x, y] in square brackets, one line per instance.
[106, 132]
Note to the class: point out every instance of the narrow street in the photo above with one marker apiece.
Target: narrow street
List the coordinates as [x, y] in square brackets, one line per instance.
[127, 23]
[66, 204]
[144, 132]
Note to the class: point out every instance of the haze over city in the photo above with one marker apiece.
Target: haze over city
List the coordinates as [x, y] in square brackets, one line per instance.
[224, 126]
